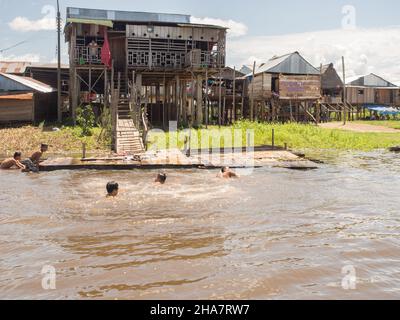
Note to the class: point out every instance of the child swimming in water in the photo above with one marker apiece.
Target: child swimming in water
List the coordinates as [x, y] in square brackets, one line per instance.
[161, 178]
[14, 162]
[227, 173]
[112, 189]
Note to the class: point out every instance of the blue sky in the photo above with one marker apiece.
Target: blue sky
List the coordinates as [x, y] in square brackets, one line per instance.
[259, 29]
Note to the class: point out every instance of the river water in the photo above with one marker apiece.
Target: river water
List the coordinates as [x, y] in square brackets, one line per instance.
[274, 234]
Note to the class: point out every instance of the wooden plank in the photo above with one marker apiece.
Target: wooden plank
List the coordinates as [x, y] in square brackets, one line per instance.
[299, 87]
[16, 110]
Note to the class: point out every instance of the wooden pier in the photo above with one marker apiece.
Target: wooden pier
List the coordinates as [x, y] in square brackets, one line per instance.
[175, 159]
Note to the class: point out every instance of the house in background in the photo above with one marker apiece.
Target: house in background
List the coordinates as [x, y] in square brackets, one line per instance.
[372, 92]
[331, 85]
[23, 99]
[47, 73]
[286, 88]
[332, 94]
[226, 92]
[372, 89]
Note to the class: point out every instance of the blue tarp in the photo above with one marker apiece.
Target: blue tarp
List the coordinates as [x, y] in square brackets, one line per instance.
[382, 109]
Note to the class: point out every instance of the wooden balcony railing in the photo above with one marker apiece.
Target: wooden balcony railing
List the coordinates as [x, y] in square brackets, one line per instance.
[86, 55]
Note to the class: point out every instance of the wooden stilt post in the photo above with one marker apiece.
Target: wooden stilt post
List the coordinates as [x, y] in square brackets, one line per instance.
[199, 91]
[252, 93]
[105, 94]
[224, 111]
[344, 93]
[234, 96]
[177, 99]
[242, 106]
[164, 103]
[158, 99]
[207, 116]
[220, 98]
[192, 108]
[185, 103]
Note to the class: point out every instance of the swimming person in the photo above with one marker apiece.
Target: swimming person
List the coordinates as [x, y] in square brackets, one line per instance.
[13, 162]
[36, 156]
[161, 178]
[112, 189]
[32, 163]
[227, 173]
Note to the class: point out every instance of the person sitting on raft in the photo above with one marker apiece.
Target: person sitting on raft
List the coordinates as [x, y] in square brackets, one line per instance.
[32, 163]
[14, 162]
[161, 178]
[227, 173]
[112, 189]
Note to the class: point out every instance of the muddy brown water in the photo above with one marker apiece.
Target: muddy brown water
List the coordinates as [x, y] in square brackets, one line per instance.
[275, 234]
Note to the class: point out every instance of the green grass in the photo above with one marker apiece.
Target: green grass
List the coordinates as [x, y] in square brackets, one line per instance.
[297, 136]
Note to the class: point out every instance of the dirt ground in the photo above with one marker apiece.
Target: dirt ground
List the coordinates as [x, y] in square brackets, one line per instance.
[358, 127]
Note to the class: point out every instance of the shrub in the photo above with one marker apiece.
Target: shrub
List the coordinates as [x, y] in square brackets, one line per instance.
[85, 119]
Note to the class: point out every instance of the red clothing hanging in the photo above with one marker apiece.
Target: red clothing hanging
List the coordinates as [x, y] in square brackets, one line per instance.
[105, 50]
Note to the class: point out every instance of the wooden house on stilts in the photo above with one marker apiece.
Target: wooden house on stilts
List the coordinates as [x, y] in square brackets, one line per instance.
[332, 93]
[142, 66]
[286, 88]
[371, 91]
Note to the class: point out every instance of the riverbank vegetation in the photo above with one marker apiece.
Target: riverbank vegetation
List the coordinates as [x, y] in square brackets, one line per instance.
[296, 136]
[66, 139]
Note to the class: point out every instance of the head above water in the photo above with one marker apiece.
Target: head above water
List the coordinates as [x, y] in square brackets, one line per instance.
[225, 169]
[112, 188]
[161, 178]
[17, 155]
[44, 147]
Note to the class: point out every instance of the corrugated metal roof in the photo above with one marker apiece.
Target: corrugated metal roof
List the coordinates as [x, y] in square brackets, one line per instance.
[292, 63]
[16, 67]
[228, 74]
[14, 83]
[46, 66]
[197, 25]
[106, 23]
[126, 16]
[370, 80]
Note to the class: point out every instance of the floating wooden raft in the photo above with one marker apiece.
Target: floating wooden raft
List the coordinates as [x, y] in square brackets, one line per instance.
[175, 159]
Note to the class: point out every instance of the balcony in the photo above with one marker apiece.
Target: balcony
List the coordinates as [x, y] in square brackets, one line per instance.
[86, 55]
[175, 59]
[205, 59]
[156, 60]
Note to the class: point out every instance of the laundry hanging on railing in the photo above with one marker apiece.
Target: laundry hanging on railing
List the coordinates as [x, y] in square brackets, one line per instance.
[105, 50]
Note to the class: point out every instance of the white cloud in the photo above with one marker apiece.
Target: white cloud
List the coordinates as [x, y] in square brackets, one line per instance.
[29, 57]
[23, 24]
[365, 50]
[236, 29]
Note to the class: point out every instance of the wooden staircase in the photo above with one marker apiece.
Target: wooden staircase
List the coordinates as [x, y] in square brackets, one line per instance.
[128, 139]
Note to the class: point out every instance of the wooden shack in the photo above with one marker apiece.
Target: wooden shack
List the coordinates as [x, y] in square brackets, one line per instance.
[141, 65]
[331, 85]
[372, 89]
[225, 96]
[332, 93]
[286, 88]
[24, 99]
